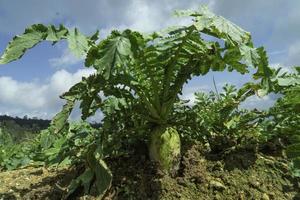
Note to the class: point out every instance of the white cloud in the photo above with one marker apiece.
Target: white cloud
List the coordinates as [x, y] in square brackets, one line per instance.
[91, 14]
[154, 15]
[260, 103]
[16, 93]
[66, 60]
[189, 91]
[293, 57]
[34, 98]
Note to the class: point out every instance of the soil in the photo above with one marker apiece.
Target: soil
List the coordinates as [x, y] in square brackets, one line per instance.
[33, 183]
[238, 174]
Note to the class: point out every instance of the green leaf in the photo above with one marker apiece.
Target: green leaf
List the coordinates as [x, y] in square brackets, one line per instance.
[46, 139]
[56, 34]
[109, 54]
[52, 152]
[288, 81]
[113, 104]
[211, 24]
[78, 43]
[75, 183]
[83, 180]
[103, 177]
[31, 37]
[60, 119]
[293, 151]
[294, 139]
[296, 163]
[297, 69]
[17, 47]
[102, 172]
[86, 179]
[249, 55]
[87, 91]
[263, 70]
[95, 36]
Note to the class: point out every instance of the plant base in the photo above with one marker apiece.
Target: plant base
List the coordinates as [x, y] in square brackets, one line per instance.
[165, 149]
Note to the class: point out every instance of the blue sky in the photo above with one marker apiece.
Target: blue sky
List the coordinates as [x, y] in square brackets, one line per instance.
[31, 86]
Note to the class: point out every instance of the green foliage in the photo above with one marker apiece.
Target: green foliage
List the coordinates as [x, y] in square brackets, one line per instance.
[16, 155]
[60, 119]
[36, 33]
[217, 119]
[110, 54]
[143, 64]
[5, 138]
[31, 37]
[78, 43]
[78, 145]
[285, 114]
[137, 85]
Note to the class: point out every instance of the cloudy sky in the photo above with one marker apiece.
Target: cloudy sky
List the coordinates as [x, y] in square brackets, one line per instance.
[31, 86]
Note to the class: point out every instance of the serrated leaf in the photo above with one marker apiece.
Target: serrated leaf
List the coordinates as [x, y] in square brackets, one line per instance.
[249, 55]
[54, 34]
[31, 37]
[17, 47]
[60, 119]
[78, 43]
[263, 70]
[288, 81]
[95, 36]
[102, 172]
[214, 25]
[110, 54]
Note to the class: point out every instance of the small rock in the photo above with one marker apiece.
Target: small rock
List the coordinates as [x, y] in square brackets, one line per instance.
[265, 197]
[218, 197]
[272, 195]
[181, 181]
[255, 184]
[217, 185]
[242, 196]
[177, 194]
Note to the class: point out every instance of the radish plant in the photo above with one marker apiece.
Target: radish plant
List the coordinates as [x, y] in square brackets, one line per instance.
[148, 71]
[284, 117]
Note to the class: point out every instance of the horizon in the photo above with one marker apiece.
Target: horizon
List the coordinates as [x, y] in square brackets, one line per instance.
[47, 71]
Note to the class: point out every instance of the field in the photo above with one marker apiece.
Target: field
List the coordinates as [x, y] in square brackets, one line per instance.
[202, 175]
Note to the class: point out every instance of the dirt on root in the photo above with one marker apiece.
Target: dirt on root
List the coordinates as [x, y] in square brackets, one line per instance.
[238, 174]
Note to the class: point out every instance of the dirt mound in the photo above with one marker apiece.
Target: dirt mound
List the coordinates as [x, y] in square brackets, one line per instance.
[201, 176]
[33, 183]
